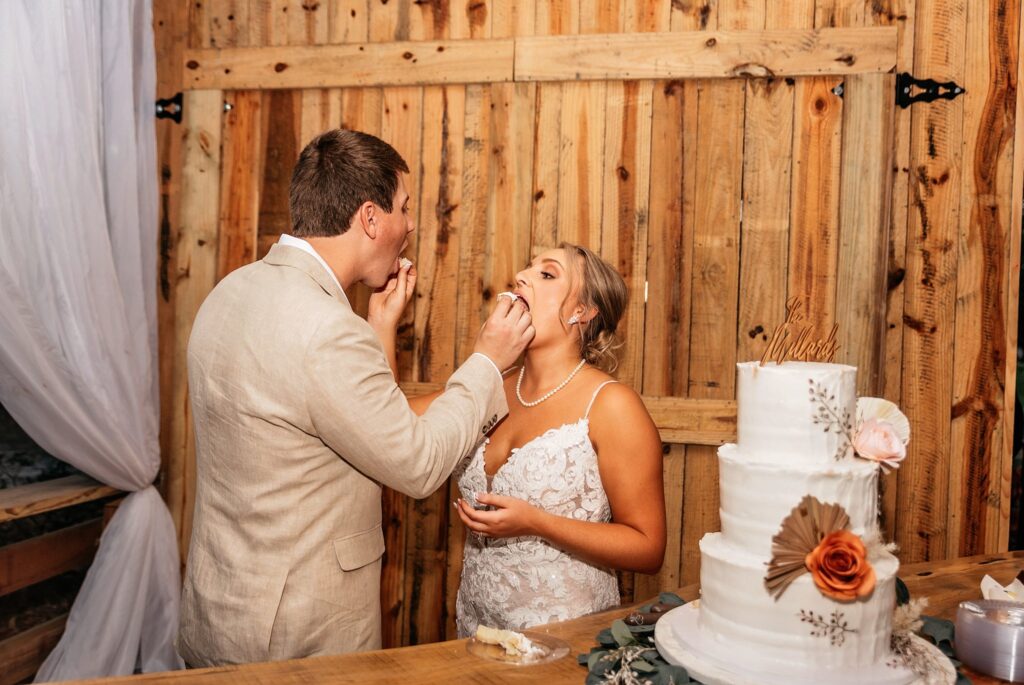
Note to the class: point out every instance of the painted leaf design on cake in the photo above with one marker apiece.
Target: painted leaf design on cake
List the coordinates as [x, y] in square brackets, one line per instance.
[802, 530]
[827, 415]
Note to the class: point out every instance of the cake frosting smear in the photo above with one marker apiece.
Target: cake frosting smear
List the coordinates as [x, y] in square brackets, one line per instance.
[797, 586]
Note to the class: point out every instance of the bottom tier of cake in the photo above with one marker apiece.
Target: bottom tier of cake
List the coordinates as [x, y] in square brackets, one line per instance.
[803, 626]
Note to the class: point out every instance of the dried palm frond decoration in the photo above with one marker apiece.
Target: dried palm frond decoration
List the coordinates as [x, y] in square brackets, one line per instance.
[802, 531]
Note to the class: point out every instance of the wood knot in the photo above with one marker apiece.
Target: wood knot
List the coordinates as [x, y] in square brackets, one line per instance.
[846, 59]
[711, 42]
[623, 173]
[752, 70]
[280, 66]
[192, 64]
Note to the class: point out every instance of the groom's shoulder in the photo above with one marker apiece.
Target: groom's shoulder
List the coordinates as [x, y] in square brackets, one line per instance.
[261, 299]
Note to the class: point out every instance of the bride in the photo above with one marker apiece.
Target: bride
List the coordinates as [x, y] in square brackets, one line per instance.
[568, 487]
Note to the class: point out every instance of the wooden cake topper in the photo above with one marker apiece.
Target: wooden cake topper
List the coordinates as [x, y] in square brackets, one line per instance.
[794, 341]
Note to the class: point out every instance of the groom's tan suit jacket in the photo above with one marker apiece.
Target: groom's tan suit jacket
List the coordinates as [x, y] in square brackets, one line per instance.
[298, 423]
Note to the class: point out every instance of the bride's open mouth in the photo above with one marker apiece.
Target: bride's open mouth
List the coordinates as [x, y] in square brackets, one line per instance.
[515, 297]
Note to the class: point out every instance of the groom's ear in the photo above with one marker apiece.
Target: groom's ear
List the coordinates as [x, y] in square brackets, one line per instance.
[366, 219]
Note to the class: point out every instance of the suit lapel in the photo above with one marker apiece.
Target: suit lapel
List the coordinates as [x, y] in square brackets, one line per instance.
[285, 255]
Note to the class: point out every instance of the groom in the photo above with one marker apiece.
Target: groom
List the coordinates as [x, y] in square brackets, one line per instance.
[299, 420]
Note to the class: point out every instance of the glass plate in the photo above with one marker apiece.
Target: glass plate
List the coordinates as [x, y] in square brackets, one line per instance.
[552, 649]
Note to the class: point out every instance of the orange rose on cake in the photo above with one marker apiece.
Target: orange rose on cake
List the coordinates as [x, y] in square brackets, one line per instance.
[840, 568]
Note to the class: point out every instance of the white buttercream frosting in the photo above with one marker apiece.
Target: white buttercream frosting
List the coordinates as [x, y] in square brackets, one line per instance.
[777, 420]
[756, 497]
[737, 610]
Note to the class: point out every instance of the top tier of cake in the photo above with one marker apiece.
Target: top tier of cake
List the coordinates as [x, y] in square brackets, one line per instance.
[795, 412]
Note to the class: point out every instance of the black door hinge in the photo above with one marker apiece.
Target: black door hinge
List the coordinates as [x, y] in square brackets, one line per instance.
[170, 108]
[929, 90]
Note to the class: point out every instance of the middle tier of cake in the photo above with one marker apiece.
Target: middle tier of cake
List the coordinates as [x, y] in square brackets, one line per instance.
[756, 497]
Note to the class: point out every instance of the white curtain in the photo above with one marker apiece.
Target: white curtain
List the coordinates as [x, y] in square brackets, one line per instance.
[78, 370]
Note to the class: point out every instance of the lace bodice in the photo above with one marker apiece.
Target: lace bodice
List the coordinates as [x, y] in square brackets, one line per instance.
[515, 583]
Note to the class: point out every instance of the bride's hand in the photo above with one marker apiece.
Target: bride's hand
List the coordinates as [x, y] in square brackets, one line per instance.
[510, 517]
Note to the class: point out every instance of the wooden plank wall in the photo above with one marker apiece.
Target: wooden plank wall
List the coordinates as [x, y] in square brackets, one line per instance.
[716, 199]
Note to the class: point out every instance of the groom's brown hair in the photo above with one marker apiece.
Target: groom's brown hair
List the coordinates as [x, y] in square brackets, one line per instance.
[336, 173]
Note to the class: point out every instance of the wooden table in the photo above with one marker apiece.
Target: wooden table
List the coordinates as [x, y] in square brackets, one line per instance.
[945, 584]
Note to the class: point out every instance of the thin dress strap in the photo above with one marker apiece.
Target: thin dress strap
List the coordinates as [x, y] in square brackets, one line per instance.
[594, 397]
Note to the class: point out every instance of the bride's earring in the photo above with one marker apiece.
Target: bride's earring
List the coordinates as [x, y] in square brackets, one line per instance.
[574, 319]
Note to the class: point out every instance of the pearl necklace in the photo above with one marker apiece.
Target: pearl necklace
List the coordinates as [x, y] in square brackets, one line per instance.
[549, 393]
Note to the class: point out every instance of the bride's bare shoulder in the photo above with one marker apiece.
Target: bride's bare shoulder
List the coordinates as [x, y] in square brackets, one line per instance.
[617, 406]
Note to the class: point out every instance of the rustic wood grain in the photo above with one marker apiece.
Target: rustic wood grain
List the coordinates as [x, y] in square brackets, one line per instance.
[170, 35]
[717, 54]
[922, 525]
[625, 213]
[228, 23]
[546, 176]
[349, 21]
[864, 204]
[196, 255]
[339, 66]
[580, 161]
[36, 559]
[814, 204]
[557, 17]
[283, 145]
[510, 17]
[978, 464]
[37, 498]
[715, 285]
[1012, 300]
[24, 653]
[899, 13]
[669, 272]
[389, 21]
[767, 174]
[243, 166]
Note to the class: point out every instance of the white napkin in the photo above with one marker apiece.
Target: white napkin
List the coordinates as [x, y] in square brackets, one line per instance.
[991, 589]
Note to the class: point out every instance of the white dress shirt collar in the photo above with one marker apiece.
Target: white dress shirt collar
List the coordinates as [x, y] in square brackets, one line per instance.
[292, 241]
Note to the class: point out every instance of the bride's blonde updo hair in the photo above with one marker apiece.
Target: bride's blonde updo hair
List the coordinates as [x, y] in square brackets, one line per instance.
[601, 288]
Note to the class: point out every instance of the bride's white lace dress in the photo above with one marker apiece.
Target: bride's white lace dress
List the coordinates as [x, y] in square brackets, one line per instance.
[515, 583]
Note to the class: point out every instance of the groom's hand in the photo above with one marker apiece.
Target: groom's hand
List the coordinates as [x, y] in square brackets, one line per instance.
[387, 304]
[505, 334]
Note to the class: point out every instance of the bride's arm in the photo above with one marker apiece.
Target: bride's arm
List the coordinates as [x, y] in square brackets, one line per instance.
[630, 462]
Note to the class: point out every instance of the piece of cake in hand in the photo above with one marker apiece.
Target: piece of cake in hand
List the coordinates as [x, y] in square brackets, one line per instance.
[515, 644]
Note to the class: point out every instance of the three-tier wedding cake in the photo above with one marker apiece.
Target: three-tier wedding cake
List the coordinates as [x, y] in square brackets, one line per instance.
[797, 587]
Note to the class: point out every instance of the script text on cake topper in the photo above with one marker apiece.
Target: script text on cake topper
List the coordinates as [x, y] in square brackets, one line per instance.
[793, 340]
